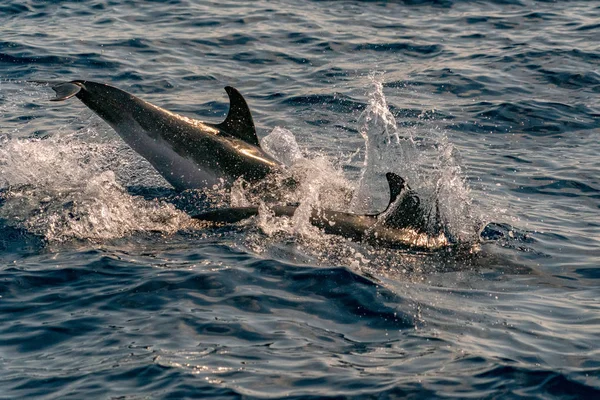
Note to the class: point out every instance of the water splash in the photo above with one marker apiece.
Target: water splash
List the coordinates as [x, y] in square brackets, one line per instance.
[318, 181]
[63, 188]
[423, 156]
[281, 144]
[384, 149]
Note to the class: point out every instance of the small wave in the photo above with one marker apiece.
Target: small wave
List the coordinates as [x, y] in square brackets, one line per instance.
[589, 81]
[26, 55]
[336, 103]
[408, 48]
[588, 27]
[538, 382]
[15, 9]
[448, 80]
[537, 118]
[560, 187]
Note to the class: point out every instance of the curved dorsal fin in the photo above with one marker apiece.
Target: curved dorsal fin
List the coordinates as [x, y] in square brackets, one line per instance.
[408, 213]
[239, 121]
[397, 184]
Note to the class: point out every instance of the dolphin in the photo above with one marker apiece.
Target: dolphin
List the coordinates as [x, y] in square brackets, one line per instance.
[403, 224]
[188, 153]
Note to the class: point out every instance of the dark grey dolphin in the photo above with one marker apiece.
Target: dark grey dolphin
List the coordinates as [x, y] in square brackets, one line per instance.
[188, 153]
[403, 224]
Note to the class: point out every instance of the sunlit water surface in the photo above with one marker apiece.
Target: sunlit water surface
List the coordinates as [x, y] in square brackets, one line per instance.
[109, 290]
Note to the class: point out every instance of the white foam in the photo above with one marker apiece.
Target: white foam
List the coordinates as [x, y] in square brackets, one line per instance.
[63, 188]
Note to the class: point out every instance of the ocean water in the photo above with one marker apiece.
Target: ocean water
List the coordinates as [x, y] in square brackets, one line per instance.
[109, 290]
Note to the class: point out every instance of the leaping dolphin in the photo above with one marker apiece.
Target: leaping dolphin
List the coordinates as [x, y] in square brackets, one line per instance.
[403, 224]
[188, 153]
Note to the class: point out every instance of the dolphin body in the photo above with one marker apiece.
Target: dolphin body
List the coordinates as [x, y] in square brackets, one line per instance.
[403, 224]
[188, 153]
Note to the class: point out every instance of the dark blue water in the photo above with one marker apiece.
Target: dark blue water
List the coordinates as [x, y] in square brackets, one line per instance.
[109, 290]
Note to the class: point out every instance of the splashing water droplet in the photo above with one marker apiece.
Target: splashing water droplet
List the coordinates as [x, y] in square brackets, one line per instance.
[62, 188]
[281, 144]
[423, 156]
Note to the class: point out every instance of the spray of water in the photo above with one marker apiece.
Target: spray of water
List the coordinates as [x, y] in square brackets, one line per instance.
[62, 188]
[423, 156]
[281, 144]
[385, 150]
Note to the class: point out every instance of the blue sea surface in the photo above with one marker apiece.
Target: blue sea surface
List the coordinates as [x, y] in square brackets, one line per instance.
[108, 289]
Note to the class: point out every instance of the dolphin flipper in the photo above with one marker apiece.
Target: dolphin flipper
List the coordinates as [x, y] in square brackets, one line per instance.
[239, 122]
[65, 91]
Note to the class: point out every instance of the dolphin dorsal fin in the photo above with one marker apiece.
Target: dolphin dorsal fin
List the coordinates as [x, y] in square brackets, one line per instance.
[397, 185]
[239, 121]
[408, 212]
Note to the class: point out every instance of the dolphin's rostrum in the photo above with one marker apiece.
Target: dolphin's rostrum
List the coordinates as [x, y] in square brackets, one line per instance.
[188, 153]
